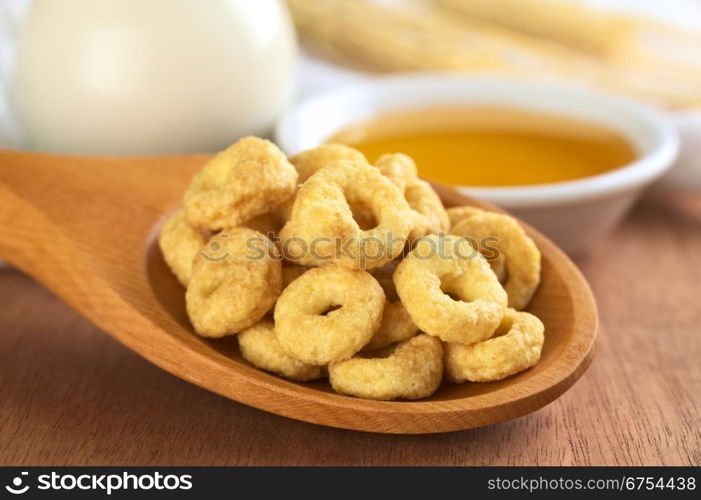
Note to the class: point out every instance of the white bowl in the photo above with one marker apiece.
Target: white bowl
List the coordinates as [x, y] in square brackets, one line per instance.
[575, 214]
[685, 175]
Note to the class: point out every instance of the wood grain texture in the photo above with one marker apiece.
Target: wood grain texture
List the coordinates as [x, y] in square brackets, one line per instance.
[85, 228]
[69, 394]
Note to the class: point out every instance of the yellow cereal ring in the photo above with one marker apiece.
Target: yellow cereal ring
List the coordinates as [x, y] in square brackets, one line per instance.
[443, 265]
[516, 346]
[520, 254]
[311, 330]
[235, 281]
[180, 241]
[412, 370]
[457, 214]
[291, 273]
[394, 167]
[239, 183]
[396, 326]
[398, 168]
[322, 229]
[498, 265]
[428, 211]
[311, 161]
[259, 346]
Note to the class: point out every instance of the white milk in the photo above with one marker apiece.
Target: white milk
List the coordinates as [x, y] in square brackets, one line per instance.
[156, 76]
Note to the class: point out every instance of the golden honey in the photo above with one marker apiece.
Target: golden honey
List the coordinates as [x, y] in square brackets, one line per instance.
[486, 146]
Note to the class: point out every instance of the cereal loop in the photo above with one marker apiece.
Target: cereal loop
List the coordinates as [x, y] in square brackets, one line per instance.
[441, 266]
[323, 231]
[396, 326]
[398, 168]
[411, 370]
[496, 260]
[429, 215]
[519, 252]
[259, 346]
[328, 314]
[311, 161]
[239, 183]
[457, 214]
[235, 280]
[516, 346]
[179, 242]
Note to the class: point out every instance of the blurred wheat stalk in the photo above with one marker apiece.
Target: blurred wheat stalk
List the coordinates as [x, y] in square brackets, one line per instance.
[525, 39]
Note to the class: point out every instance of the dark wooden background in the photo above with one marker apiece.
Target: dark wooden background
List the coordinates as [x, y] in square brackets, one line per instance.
[69, 394]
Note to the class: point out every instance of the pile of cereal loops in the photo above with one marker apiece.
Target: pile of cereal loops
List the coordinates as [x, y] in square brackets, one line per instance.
[326, 265]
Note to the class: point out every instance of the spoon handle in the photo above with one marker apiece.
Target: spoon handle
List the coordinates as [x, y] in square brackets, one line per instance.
[27, 234]
[59, 213]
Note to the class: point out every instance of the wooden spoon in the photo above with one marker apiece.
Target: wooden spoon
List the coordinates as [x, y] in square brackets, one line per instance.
[86, 228]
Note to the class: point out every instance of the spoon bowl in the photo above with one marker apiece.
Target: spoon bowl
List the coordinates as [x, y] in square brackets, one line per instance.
[86, 228]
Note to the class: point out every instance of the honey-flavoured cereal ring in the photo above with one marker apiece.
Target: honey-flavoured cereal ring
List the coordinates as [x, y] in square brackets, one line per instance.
[309, 328]
[441, 266]
[516, 346]
[498, 265]
[396, 326]
[496, 260]
[291, 273]
[428, 211]
[411, 370]
[260, 347]
[180, 241]
[457, 214]
[311, 161]
[322, 229]
[235, 280]
[399, 168]
[520, 254]
[239, 183]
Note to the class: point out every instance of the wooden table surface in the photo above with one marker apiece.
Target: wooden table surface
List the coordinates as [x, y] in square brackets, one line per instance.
[70, 395]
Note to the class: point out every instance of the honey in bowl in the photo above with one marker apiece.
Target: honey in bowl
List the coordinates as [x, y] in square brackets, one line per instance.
[492, 146]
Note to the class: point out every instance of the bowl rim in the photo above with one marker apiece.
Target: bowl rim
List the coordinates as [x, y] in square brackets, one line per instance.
[646, 168]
